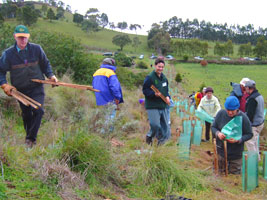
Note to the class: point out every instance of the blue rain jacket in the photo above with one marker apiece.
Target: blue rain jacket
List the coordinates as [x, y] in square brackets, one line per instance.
[106, 80]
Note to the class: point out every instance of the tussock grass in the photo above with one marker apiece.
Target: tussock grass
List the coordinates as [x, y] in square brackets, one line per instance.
[157, 175]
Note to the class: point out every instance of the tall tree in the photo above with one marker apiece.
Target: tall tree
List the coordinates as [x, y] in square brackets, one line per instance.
[229, 48]
[121, 40]
[77, 18]
[50, 14]
[122, 25]
[112, 25]
[136, 42]
[68, 8]
[160, 42]
[27, 15]
[260, 49]
[1, 20]
[44, 9]
[89, 26]
[135, 27]
[104, 20]
[60, 12]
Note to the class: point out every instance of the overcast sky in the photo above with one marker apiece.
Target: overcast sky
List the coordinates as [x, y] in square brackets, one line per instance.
[146, 12]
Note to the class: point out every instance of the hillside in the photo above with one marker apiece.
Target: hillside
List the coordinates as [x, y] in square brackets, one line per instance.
[74, 160]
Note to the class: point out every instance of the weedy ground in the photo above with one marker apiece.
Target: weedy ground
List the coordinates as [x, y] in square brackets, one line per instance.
[74, 160]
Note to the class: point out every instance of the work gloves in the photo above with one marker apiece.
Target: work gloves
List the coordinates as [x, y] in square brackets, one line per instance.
[8, 88]
[53, 78]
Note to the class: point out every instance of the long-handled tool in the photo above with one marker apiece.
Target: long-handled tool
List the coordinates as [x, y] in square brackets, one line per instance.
[160, 95]
[215, 156]
[225, 157]
[27, 101]
[82, 87]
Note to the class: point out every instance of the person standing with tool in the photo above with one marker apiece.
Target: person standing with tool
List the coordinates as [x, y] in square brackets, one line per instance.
[234, 147]
[155, 106]
[26, 61]
[255, 113]
[110, 95]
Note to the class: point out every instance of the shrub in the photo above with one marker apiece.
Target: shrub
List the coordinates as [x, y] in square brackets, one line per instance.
[161, 176]
[141, 65]
[123, 60]
[130, 79]
[185, 58]
[201, 87]
[203, 63]
[67, 54]
[178, 78]
[88, 154]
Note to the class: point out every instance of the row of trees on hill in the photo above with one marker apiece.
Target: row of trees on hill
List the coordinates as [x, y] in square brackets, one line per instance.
[160, 40]
[203, 30]
[26, 13]
[94, 21]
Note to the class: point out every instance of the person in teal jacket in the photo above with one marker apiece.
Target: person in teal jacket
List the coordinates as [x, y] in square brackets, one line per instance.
[155, 106]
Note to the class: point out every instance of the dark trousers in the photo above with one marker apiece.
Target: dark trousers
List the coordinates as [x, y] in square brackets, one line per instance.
[207, 126]
[234, 166]
[32, 117]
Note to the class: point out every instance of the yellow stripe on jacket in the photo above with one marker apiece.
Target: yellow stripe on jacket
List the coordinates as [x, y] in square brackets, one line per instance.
[104, 72]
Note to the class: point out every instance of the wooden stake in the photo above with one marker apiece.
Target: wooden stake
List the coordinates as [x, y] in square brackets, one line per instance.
[29, 99]
[82, 87]
[225, 157]
[17, 95]
[215, 157]
[161, 95]
[264, 170]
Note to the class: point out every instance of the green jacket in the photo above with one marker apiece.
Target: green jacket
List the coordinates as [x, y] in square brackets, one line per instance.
[161, 83]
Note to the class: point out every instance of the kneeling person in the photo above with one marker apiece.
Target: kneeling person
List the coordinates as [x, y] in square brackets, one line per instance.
[234, 147]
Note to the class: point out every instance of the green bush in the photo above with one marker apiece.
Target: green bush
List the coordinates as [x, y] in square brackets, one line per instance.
[130, 79]
[6, 36]
[88, 154]
[178, 78]
[141, 65]
[123, 60]
[185, 57]
[2, 190]
[67, 54]
[161, 176]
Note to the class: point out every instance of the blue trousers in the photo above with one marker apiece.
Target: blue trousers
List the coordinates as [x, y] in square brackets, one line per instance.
[31, 117]
[158, 119]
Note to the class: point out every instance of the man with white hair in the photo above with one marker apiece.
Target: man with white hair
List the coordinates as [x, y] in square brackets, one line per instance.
[240, 92]
[255, 113]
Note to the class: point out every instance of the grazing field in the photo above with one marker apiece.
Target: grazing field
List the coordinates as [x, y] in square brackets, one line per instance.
[220, 76]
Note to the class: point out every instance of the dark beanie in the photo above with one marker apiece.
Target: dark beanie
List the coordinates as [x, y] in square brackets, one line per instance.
[208, 89]
[231, 103]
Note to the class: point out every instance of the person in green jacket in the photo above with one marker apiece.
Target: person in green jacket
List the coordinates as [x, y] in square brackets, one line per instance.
[156, 108]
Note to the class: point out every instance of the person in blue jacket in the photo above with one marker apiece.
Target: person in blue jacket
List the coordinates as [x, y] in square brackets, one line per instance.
[106, 80]
[26, 61]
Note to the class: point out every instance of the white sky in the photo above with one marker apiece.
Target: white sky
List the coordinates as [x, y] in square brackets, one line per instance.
[146, 12]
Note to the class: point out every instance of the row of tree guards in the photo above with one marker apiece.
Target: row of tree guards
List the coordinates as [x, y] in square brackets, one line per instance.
[191, 133]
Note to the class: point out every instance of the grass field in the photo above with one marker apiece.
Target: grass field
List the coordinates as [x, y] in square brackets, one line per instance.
[72, 120]
[220, 76]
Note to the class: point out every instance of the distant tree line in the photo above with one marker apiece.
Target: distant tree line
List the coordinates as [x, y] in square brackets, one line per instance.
[177, 28]
[26, 13]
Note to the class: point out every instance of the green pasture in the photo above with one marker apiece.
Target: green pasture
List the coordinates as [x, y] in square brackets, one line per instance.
[220, 76]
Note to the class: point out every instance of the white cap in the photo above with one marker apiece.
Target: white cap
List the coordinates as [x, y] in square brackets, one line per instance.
[243, 81]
